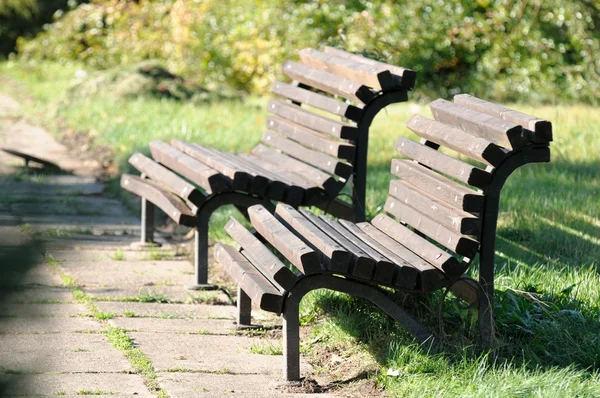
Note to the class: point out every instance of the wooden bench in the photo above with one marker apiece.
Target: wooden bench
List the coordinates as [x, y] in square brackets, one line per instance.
[440, 212]
[315, 143]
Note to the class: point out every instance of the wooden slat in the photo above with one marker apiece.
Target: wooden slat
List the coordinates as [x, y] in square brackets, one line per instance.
[430, 277]
[316, 177]
[274, 187]
[294, 249]
[336, 207]
[388, 274]
[542, 129]
[240, 179]
[448, 165]
[363, 269]
[311, 139]
[328, 82]
[336, 258]
[370, 75]
[313, 121]
[360, 260]
[173, 207]
[458, 140]
[209, 179]
[452, 218]
[320, 160]
[504, 133]
[432, 228]
[296, 185]
[261, 256]
[167, 179]
[407, 76]
[438, 186]
[318, 101]
[425, 249]
[252, 282]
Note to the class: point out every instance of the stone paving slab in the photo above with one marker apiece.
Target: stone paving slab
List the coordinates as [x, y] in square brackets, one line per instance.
[128, 254]
[47, 325]
[224, 354]
[72, 352]
[187, 385]
[94, 224]
[74, 384]
[38, 275]
[42, 310]
[82, 242]
[172, 294]
[51, 189]
[37, 295]
[107, 272]
[189, 326]
[169, 310]
[67, 205]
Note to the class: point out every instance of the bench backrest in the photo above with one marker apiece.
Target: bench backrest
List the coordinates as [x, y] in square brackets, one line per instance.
[320, 121]
[446, 199]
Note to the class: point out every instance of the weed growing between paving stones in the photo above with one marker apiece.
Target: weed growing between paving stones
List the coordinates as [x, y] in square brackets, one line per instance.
[266, 347]
[118, 255]
[95, 392]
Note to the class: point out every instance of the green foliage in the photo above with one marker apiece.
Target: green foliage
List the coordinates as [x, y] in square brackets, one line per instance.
[509, 50]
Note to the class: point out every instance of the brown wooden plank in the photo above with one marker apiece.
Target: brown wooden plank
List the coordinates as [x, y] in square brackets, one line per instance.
[320, 160]
[385, 272]
[359, 259]
[328, 82]
[318, 101]
[240, 179]
[429, 277]
[452, 218]
[501, 132]
[336, 207]
[466, 289]
[432, 228]
[542, 129]
[438, 186]
[313, 121]
[370, 75]
[425, 249]
[448, 165]
[336, 257]
[296, 186]
[258, 254]
[407, 76]
[252, 282]
[293, 248]
[361, 269]
[458, 140]
[166, 178]
[311, 139]
[173, 206]
[197, 172]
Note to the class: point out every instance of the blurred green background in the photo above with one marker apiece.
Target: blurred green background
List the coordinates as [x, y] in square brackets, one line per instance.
[545, 51]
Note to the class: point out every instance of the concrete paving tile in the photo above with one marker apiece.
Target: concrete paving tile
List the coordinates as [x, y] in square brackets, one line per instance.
[64, 352]
[158, 325]
[36, 295]
[74, 384]
[173, 294]
[187, 385]
[107, 272]
[74, 205]
[39, 274]
[107, 242]
[228, 354]
[47, 325]
[52, 224]
[42, 310]
[128, 254]
[59, 186]
[160, 310]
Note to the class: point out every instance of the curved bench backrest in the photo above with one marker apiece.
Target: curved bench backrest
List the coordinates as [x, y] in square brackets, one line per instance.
[317, 123]
[443, 198]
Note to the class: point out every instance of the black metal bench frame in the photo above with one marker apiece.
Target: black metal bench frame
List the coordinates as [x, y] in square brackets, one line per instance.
[478, 294]
[376, 101]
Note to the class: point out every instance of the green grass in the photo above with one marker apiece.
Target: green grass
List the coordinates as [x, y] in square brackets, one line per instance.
[547, 251]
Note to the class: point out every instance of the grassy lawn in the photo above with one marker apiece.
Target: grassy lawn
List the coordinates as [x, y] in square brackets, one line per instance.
[548, 249]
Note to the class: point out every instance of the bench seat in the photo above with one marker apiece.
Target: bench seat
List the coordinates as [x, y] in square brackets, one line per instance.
[441, 213]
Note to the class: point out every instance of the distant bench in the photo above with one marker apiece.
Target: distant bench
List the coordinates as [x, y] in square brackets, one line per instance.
[440, 212]
[314, 145]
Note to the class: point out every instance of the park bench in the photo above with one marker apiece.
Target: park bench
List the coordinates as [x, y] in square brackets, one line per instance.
[440, 212]
[314, 145]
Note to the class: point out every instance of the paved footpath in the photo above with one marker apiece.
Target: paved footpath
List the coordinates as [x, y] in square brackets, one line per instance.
[81, 313]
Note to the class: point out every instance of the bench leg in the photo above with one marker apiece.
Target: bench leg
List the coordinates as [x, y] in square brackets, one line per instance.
[244, 308]
[147, 227]
[486, 315]
[291, 341]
